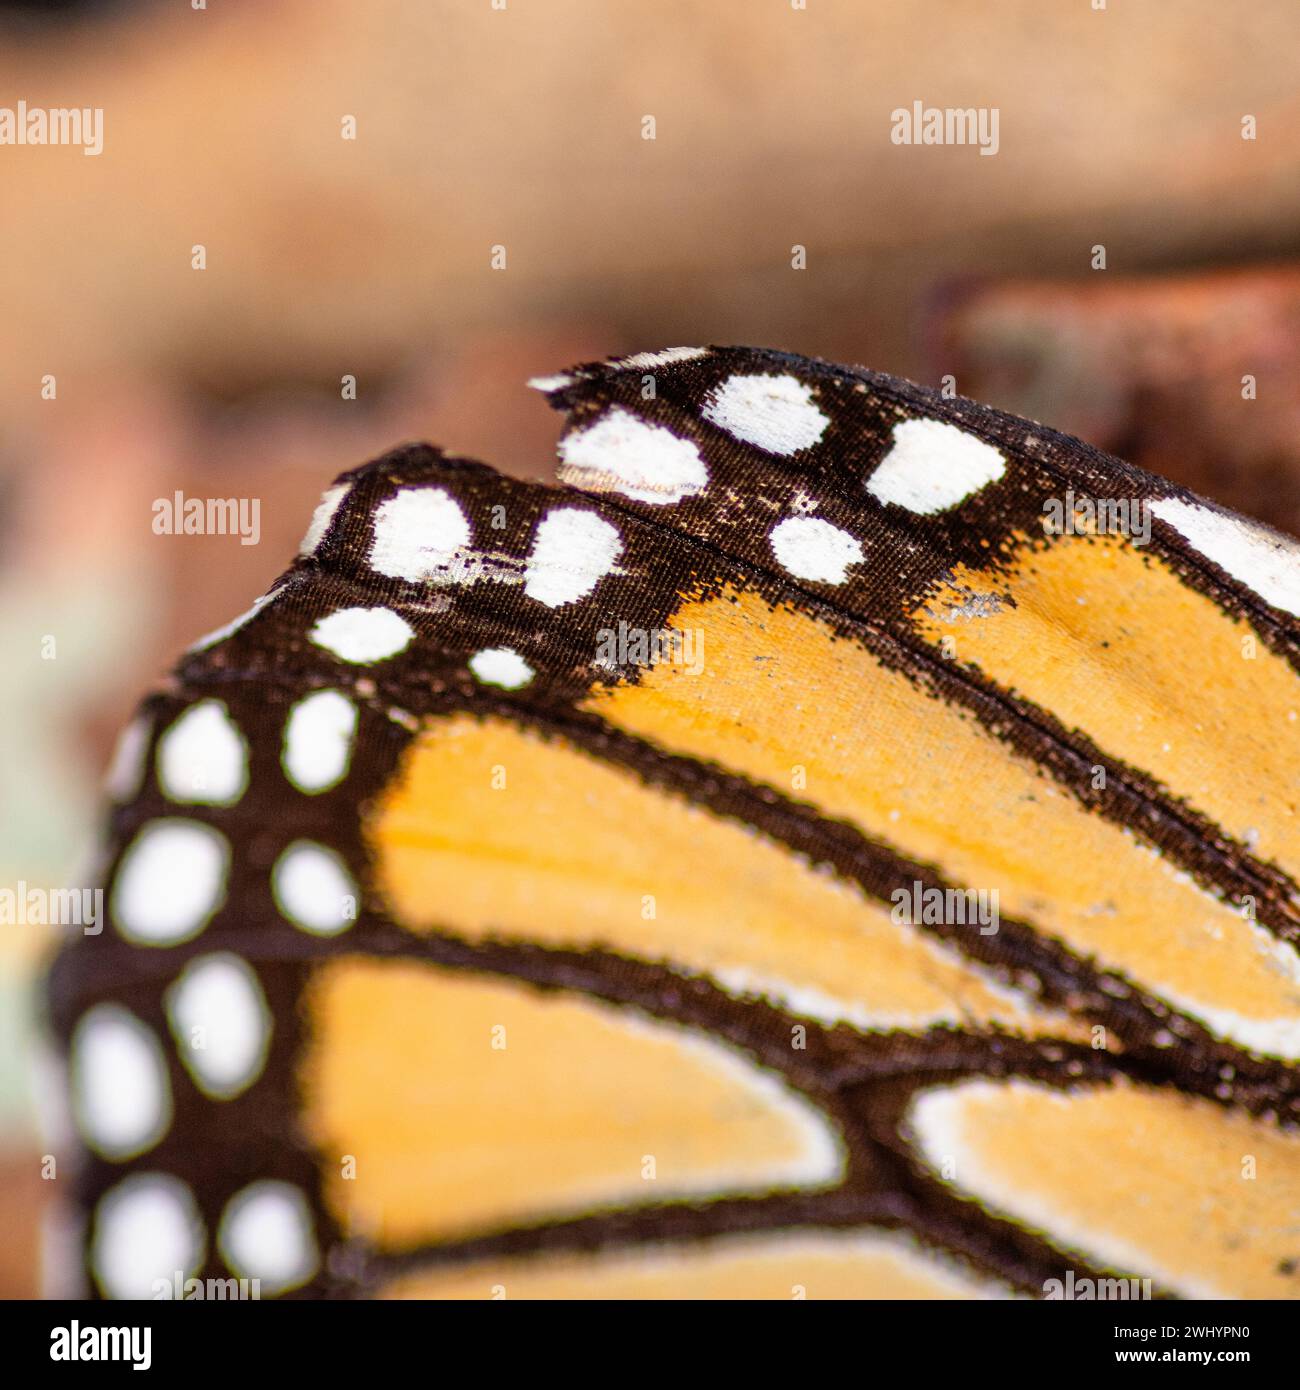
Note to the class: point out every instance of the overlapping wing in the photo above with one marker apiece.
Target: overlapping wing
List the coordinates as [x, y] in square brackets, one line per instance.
[775, 860]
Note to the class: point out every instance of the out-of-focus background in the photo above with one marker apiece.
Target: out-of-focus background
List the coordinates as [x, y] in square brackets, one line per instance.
[440, 198]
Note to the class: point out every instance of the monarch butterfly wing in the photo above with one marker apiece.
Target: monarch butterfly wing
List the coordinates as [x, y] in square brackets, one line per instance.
[370, 833]
[571, 819]
[1073, 686]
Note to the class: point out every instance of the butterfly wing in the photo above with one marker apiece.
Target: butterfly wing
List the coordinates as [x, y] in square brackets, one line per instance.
[771, 863]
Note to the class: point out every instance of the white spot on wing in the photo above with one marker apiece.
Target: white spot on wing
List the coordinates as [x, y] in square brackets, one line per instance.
[219, 634]
[362, 635]
[219, 1017]
[550, 383]
[418, 532]
[120, 1093]
[1262, 560]
[933, 466]
[202, 758]
[573, 550]
[314, 889]
[126, 770]
[814, 549]
[171, 880]
[623, 453]
[146, 1229]
[267, 1233]
[501, 666]
[331, 500]
[318, 741]
[774, 412]
[647, 361]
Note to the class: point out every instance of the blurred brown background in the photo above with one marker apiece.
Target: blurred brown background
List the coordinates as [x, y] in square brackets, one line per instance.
[521, 125]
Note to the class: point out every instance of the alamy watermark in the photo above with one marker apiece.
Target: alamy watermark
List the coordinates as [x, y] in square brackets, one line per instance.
[27, 906]
[53, 125]
[1076, 514]
[179, 515]
[180, 1287]
[1088, 1290]
[924, 905]
[76, 1343]
[919, 124]
[623, 646]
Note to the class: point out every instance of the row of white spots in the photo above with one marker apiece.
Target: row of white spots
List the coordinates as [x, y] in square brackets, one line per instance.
[172, 881]
[222, 1026]
[202, 757]
[620, 452]
[148, 1228]
[1261, 559]
[422, 533]
[930, 467]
